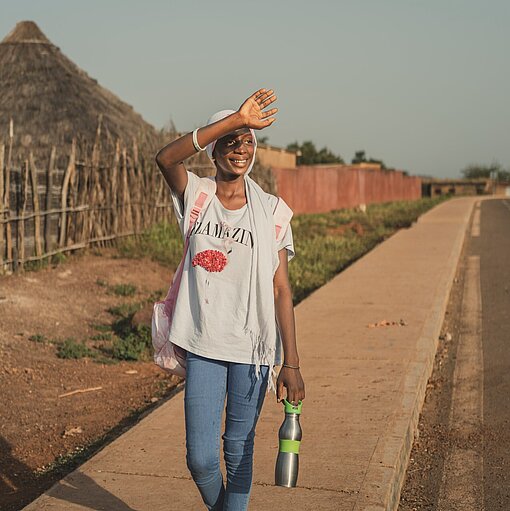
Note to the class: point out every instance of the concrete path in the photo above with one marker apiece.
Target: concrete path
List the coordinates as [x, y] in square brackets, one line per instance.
[365, 389]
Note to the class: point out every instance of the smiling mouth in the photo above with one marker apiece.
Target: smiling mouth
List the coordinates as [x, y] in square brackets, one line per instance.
[239, 163]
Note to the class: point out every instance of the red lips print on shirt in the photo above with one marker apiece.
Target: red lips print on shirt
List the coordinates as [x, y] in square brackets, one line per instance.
[210, 260]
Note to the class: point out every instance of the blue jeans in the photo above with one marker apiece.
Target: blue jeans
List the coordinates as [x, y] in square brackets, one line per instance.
[208, 382]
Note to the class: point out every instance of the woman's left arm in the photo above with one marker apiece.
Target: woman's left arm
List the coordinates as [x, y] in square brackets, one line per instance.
[289, 378]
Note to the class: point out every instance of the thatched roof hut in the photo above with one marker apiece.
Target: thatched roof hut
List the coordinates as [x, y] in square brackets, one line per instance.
[51, 100]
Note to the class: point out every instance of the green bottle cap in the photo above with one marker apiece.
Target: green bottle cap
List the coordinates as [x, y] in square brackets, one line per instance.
[290, 408]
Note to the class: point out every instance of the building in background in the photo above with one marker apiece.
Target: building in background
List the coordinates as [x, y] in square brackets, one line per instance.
[434, 187]
[271, 156]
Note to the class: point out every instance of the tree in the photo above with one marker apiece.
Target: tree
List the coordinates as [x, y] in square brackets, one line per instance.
[307, 154]
[360, 157]
[481, 171]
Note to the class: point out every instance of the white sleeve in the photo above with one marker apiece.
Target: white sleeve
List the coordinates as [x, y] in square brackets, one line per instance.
[287, 242]
[182, 211]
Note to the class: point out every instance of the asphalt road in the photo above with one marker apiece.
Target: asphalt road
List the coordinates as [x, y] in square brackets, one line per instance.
[493, 246]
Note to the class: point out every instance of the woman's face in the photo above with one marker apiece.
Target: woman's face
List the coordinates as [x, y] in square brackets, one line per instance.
[233, 153]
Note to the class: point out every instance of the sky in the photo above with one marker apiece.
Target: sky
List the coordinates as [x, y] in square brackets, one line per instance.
[422, 85]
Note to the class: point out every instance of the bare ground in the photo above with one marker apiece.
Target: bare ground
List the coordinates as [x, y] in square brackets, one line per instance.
[37, 427]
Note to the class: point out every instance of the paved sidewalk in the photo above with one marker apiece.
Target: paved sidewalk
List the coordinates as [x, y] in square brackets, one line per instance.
[365, 388]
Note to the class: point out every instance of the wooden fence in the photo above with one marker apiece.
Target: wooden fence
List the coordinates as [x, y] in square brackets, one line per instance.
[86, 194]
[73, 199]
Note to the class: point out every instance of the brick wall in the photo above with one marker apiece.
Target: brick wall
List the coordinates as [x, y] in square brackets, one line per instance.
[318, 189]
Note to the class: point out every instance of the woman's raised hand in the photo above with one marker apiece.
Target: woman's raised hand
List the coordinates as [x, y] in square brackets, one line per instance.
[252, 110]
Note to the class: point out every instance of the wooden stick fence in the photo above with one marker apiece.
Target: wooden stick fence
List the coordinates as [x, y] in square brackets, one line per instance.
[89, 197]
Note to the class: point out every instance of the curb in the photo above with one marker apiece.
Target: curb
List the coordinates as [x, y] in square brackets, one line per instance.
[404, 430]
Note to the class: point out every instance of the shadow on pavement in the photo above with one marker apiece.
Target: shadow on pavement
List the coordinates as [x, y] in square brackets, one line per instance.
[19, 486]
[83, 490]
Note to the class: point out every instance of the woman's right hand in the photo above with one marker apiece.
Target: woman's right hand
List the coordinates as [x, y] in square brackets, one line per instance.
[290, 379]
[252, 110]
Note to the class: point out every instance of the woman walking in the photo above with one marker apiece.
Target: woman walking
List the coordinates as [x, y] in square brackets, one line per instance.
[234, 284]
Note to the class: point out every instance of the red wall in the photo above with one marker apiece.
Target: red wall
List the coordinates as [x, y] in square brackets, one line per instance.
[318, 189]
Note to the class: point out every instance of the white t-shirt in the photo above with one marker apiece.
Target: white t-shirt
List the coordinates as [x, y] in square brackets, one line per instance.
[211, 307]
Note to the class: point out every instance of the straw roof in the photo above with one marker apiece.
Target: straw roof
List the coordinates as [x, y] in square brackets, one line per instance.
[51, 100]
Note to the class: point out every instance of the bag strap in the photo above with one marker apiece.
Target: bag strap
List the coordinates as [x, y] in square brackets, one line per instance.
[205, 193]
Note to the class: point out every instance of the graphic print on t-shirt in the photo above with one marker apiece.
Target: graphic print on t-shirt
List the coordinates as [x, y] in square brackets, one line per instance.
[222, 230]
[221, 243]
[210, 260]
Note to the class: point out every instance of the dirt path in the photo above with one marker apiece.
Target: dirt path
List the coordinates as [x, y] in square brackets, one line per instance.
[36, 425]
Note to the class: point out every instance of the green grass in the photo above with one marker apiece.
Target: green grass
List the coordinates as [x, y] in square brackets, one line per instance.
[70, 348]
[37, 338]
[117, 289]
[122, 289]
[134, 345]
[58, 258]
[120, 340]
[162, 243]
[103, 336]
[129, 342]
[54, 260]
[125, 309]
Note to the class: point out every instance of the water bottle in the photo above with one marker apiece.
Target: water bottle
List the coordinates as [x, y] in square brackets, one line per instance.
[287, 463]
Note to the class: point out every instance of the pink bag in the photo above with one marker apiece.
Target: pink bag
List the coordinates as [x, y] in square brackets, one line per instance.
[167, 355]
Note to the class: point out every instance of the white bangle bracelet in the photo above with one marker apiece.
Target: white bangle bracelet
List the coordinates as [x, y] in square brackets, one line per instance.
[195, 141]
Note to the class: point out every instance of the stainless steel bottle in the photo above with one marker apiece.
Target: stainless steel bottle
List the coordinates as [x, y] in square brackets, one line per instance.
[287, 463]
